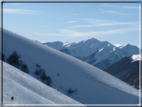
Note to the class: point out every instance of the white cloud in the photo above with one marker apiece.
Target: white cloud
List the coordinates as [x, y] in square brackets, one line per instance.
[19, 11]
[78, 26]
[98, 22]
[112, 11]
[130, 7]
[16, 3]
[74, 34]
[47, 34]
[71, 22]
[126, 7]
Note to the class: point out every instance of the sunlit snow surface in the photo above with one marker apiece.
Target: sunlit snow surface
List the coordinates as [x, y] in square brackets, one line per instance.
[136, 57]
[27, 90]
[117, 45]
[93, 85]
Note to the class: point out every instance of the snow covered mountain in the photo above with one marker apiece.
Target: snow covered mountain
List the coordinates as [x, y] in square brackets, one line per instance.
[127, 69]
[79, 50]
[109, 55]
[28, 90]
[130, 50]
[100, 54]
[72, 77]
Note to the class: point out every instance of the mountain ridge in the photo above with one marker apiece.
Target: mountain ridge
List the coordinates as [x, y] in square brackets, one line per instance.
[95, 52]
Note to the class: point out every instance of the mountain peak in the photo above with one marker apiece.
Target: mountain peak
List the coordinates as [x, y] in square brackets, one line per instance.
[128, 45]
[92, 40]
[58, 42]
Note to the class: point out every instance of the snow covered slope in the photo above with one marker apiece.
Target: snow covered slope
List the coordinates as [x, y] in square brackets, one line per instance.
[100, 54]
[75, 78]
[28, 90]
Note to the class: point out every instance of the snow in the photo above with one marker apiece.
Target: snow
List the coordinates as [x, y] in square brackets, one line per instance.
[136, 57]
[27, 90]
[114, 48]
[93, 85]
[117, 45]
[101, 49]
[108, 45]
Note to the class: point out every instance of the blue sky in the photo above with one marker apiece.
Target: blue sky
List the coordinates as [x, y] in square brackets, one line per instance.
[117, 23]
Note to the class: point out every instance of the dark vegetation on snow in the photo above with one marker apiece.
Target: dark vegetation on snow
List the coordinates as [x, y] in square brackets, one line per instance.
[15, 60]
[12, 98]
[46, 79]
[70, 91]
[38, 70]
[57, 74]
[41, 72]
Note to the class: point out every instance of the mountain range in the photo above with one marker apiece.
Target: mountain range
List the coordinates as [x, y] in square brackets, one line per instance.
[68, 75]
[104, 55]
[100, 54]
